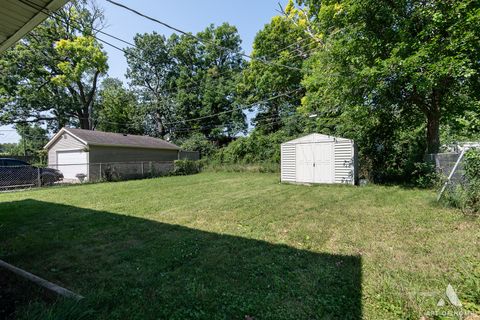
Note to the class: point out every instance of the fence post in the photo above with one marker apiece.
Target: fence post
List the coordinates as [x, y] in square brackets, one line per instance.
[100, 173]
[39, 177]
[143, 175]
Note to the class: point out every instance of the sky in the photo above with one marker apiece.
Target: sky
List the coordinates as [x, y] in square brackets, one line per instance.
[249, 16]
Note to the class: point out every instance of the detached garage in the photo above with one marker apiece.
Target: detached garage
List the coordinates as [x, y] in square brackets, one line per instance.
[318, 158]
[77, 152]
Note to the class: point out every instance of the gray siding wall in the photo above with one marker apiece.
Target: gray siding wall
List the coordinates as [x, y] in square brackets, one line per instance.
[64, 142]
[130, 163]
[344, 161]
[101, 154]
[288, 162]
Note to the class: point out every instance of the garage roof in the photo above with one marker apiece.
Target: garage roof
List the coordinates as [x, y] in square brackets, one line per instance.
[18, 18]
[100, 138]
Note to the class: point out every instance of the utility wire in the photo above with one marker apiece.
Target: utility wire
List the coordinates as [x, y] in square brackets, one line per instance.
[224, 112]
[49, 13]
[204, 42]
[207, 116]
[291, 45]
[268, 120]
[54, 15]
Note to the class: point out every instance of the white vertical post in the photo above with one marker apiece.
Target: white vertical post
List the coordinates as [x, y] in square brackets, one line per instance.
[143, 175]
[100, 168]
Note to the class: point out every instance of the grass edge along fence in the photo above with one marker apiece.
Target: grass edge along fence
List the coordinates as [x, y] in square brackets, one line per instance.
[257, 167]
[29, 176]
[465, 193]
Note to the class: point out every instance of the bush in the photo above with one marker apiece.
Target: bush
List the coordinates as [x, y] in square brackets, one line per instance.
[425, 176]
[254, 149]
[255, 153]
[466, 195]
[186, 167]
[198, 142]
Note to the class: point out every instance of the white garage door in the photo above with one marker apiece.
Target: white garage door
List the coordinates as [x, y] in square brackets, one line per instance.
[314, 163]
[71, 163]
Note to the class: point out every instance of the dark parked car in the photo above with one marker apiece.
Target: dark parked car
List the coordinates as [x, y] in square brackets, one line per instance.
[15, 172]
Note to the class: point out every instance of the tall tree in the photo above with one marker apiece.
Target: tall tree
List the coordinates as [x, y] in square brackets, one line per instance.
[32, 139]
[52, 74]
[285, 45]
[411, 57]
[208, 86]
[118, 109]
[150, 69]
[181, 78]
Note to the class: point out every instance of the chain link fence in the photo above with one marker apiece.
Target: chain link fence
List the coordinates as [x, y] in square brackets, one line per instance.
[116, 171]
[26, 176]
[444, 164]
[16, 174]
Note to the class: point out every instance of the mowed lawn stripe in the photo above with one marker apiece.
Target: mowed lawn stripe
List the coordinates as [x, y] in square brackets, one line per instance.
[227, 245]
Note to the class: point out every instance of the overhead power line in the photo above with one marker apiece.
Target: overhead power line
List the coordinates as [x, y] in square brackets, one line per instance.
[245, 107]
[200, 40]
[54, 16]
[57, 17]
[291, 45]
[268, 120]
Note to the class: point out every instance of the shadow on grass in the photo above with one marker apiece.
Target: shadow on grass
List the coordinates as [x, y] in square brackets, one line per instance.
[133, 268]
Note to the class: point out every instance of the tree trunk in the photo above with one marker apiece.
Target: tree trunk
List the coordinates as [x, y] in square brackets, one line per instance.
[160, 126]
[85, 121]
[433, 132]
[433, 122]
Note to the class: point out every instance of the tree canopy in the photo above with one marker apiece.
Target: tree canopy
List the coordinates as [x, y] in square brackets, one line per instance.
[285, 46]
[117, 109]
[180, 78]
[51, 75]
[410, 58]
[401, 78]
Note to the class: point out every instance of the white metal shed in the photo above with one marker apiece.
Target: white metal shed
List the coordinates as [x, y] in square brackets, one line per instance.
[318, 158]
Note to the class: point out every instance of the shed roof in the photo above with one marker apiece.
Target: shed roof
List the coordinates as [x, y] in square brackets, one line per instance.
[18, 18]
[100, 138]
[315, 137]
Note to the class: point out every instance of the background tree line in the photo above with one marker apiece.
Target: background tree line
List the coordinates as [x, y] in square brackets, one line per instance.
[401, 78]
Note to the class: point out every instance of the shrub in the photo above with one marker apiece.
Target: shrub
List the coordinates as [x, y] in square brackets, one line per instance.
[466, 195]
[472, 177]
[198, 142]
[425, 176]
[186, 167]
[256, 148]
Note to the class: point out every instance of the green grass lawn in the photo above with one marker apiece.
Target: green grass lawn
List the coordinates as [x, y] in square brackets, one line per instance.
[228, 245]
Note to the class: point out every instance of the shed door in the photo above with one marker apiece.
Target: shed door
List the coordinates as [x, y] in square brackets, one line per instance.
[324, 162]
[71, 163]
[314, 162]
[304, 163]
